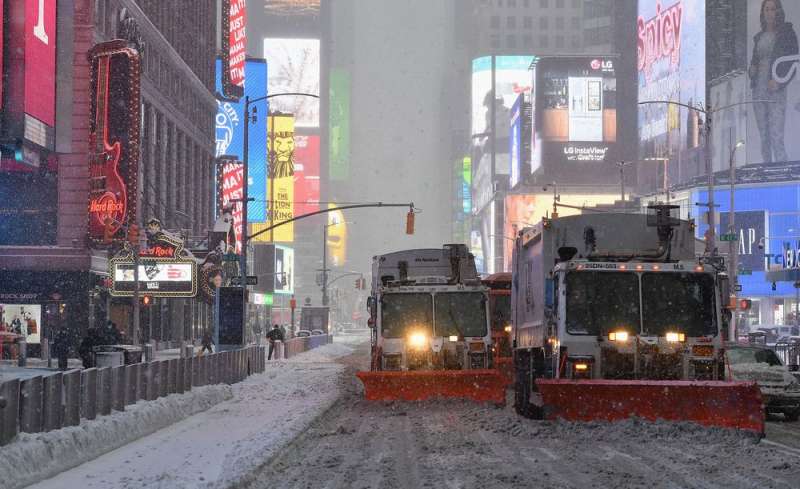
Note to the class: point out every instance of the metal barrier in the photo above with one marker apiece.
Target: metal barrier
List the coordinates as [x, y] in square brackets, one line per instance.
[296, 346]
[45, 403]
[788, 352]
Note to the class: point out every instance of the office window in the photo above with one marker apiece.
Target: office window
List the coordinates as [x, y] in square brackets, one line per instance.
[576, 42]
[559, 23]
[527, 40]
[494, 41]
[544, 3]
[526, 3]
[511, 41]
[544, 41]
[576, 23]
[527, 22]
[559, 3]
[559, 41]
[543, 23]
[511, 22]
[576, 3]
[494, 22]
[512, 3]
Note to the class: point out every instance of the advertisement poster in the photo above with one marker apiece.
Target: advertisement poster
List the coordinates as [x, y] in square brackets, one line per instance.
[575, 117]
[306, 173]
[280, 184]
[671, 52]
[515, 141]
[237, 43]
[750, 227]
[294, 67]
[284, 270]
[230, 135]
[772, 55]
[40, 56]
[512, 78]
[23, 319]
[337, 238]
[230, 186]
[157, 278]
[730, 125]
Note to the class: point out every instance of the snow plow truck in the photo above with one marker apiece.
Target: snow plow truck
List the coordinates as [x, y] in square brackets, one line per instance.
[500, 320]
[616, 316]
[431, 335]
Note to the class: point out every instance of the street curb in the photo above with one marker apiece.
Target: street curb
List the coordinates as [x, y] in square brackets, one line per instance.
[34, 457]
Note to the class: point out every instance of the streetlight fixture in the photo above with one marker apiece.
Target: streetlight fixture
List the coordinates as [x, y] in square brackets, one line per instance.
[733, 246]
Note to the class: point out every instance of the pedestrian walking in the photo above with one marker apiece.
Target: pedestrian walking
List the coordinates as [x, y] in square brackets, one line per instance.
[60, 348]
[206, 342]
[274, 335]
[86, 349]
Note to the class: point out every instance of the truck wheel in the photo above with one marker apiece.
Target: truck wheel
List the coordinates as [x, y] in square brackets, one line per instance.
[523, 385]
[792, 415]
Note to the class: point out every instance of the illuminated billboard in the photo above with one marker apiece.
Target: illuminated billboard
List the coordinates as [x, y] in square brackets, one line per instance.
[230, 188]
[280, 184]
[525, 210]
[157, 277]
[284, 270]
[575, 117]
[306, 173]
[336, 238]
[230, 135]
[294, 68]
[671, 53]
[23, 319]
[234, 47]
[292, 7]
[515, 141]
[339, 159]
[40, 56]
[772, 78]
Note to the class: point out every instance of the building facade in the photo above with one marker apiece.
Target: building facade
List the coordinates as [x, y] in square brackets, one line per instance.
[49, 266]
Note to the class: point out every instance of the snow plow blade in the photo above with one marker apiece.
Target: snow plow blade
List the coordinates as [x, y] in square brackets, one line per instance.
[505, 366]
[419, 385]
[711, 403]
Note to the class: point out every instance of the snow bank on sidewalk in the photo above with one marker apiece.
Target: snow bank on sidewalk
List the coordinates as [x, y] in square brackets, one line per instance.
[35, 456]
[324, 353]
[224, 445]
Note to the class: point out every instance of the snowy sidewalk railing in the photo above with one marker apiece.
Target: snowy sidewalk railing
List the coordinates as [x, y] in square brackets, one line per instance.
[296, 346]
[46, 403]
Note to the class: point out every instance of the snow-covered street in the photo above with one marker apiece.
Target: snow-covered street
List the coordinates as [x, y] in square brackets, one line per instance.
[304, 424]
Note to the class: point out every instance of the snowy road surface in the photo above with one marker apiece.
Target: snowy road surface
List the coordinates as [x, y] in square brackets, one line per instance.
[452, 444]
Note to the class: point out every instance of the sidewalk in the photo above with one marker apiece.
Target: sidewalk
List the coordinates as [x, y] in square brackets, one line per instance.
[218, 447]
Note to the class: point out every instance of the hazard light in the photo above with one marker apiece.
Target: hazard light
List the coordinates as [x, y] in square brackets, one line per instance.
[620, 336]
[507, 329]
[675, 337]
[454, 338]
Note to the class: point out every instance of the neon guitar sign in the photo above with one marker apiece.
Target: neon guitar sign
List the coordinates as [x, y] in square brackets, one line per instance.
[114, 140]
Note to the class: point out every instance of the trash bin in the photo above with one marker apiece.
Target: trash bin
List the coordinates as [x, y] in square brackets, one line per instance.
[128, 354]
[108, 358]
[132, 354]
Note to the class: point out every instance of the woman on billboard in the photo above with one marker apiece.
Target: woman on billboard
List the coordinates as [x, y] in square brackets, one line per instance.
[775, 39]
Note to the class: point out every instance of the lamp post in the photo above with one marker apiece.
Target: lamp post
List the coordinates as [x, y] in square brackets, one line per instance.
[733, 245]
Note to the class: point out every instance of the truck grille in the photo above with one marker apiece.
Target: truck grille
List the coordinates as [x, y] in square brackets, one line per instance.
[392, 362]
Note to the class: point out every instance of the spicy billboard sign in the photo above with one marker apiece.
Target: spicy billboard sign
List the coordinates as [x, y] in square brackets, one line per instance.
[114, 139]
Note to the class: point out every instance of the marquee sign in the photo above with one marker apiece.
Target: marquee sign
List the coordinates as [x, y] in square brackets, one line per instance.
[114, 139]
[234, 46]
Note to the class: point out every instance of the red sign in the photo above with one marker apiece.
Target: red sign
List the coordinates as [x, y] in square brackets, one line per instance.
[237, 41]
[306, 173]
[40, 60]
[2, 20]
[158, 251]
[232, 188]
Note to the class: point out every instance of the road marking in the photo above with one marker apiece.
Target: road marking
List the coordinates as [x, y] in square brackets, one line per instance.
[547, 452]
[610, 452]
[782, 447]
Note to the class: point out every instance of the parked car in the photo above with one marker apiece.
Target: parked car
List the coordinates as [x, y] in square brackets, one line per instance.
[779, 387]
[317, 332]
[303, 333]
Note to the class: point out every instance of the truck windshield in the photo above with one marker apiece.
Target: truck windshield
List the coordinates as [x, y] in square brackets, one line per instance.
[678, 302]
[739, 356]
[403, 313]
[460, 314]
[598, 302]
[500, 307]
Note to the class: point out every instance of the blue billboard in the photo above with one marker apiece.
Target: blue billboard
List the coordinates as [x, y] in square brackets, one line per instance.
[230, 134]
[766, 218]
[515, 141]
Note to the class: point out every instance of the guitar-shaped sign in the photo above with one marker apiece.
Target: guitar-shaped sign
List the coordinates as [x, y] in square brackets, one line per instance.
[108, 198]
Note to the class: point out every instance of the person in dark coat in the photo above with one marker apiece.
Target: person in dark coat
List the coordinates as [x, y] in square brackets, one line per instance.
[86, 349]
[274, 335]
[206, 342]
[60, 349]
[111, 335]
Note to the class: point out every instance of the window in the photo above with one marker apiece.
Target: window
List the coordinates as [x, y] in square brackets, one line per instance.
[576, 23]
[576, 42]
[511, 22]
[526, 3]
[544, 4]
[559, 41]
[460, 314]
[511, 41]
[682, 302]
[494, 22]
[544, 41]
[494, 40]
[512, 3]
[543, 23]
[527, 40]
[559, 23]
[576, 3]
[559, 3]
[527, 22]
[593, 310]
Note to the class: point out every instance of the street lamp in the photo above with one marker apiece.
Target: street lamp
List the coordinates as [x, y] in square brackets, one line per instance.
[733, 246]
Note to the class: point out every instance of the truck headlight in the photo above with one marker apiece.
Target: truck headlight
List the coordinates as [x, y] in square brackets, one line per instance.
[507, 329]
[620, 336]
[418, 340]
[673, 337]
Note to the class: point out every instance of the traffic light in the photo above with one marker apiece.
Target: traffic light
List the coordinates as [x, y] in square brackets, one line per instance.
[133, 234]
[410, 222]
[361, 283]
[108, 231]
[146, 300]
[745, 304]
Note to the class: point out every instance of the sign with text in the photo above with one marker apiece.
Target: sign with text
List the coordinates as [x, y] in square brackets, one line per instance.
[40, 60]
[234, 47]
[157, 277]
[749, 230]
[230, 187]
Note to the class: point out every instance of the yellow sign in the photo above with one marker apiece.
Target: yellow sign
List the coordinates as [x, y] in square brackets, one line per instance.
[337, 237]
[280, 185]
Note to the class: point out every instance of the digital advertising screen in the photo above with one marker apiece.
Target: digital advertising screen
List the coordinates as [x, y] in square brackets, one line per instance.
[22, 319]
[575, 116]
[512, 78]
[40, 56]
[339, 158]
[772, 55]
[671, 53]
[284, 270]
[294, 68]
[230, 135]
[306, 173]
[515, 141]
[230, 187]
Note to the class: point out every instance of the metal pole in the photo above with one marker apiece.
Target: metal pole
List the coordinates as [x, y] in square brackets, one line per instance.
[135, 332]
[622, 180]
[711, 242]
[733, 248]
[243, 255]
[325, 265]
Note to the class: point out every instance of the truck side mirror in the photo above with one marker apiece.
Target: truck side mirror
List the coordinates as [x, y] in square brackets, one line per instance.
[549, 293]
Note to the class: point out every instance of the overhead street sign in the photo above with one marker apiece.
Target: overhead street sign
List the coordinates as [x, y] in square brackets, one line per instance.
[251, 280]
[729, 237]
